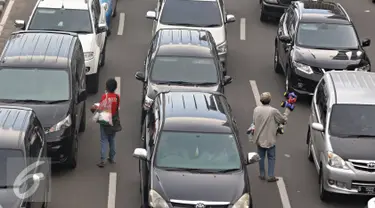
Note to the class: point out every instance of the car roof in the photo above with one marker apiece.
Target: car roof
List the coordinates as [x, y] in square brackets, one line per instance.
[66, 4]
[14, 121]
[195, 111]
[353, 87]
[184, 42]
[322, 12]
[38, 49]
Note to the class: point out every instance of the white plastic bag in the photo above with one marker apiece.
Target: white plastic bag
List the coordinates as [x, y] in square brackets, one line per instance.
[103, 114]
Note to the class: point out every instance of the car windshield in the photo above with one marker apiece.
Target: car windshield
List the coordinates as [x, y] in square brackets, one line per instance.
[348, 120]
[205, 151]
[12, 162]
[70, 20]
[327, 36]
[185, 69]
[191, 13]
[34, 84]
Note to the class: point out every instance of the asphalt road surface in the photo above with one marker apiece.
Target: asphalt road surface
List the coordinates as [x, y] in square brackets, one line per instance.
[250, 64]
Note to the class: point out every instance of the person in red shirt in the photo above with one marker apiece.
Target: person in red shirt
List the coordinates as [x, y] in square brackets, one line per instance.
[108, 133]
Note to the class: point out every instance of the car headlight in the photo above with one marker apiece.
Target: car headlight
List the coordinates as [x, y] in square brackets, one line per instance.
[89, 56]
[105, 5]
[243, 202]
[156, 201]
[147, 103]
[363, 68]
[65, 123]
[272, 1]
[336, 161]
[303, 68]
[222, 48]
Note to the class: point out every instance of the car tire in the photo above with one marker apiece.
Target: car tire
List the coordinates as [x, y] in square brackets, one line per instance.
[93, 83]
[276, 63]
[71, 163]
[114, 12]
[323, 194]
[82, 125]
[309, 150]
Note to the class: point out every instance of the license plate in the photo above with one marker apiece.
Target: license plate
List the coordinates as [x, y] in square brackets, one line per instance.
[366, 189]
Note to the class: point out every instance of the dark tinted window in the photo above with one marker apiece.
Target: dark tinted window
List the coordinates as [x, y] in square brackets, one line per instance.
[352, 120]
[34, 84]
[71, 20]
[12, 162]
[191, 13]
[197, 151]
[327, 36]
[187, 69]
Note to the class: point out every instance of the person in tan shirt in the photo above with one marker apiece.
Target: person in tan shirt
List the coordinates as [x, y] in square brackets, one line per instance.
[266, 120]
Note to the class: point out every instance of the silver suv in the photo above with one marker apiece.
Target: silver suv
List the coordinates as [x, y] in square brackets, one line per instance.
[341, 133]
[207, 15]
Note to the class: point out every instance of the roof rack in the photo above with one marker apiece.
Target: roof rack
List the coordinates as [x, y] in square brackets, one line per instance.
[45, 31]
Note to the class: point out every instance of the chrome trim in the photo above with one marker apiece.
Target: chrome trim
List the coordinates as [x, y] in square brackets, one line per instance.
[364, 164]
[344, 11]
[207, 203]
[364, 184]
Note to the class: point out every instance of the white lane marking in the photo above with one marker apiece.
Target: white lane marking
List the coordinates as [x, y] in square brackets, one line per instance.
[243, 29]
[112, 190]
[283, 193]
[118, 90]
[6, 15]
[367, 11]
[254, 88]
[121, 24]
[280, 183]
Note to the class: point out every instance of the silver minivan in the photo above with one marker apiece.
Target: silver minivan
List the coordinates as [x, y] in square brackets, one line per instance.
[207, 15]
[341, 133]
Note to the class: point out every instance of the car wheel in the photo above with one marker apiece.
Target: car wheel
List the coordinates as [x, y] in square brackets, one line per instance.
[93, 83]
[323, 194]
[114, 10]
[72, 159]
[309, 150]
[82, 125]
[276, 64]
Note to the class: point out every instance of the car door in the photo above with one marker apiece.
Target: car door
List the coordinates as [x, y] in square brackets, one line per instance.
[283, 47]
[36, 147]
[97, 17]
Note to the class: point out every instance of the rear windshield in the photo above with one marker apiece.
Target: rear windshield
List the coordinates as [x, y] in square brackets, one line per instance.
[191, 13]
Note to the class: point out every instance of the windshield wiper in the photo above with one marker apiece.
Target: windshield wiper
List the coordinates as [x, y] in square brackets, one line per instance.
[184, 169]
[56, 101]
[357, 136]
[225, 170]
[185, 24]
[211, 25]
[81, 32]
[207, 83]
[177, 83]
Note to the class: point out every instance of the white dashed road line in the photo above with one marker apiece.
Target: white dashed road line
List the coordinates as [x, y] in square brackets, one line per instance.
[112, 190]
[6, 15]
[280, 183]
[121, 24]
[118, 90]
[243, 29]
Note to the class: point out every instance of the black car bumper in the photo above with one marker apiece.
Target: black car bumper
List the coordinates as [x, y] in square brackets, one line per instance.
[59, 145]
[273, 10]
[302, 83]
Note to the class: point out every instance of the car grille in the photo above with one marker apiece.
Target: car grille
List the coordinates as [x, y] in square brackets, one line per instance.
[178, 205]
[318, 70]
[368, 166]
[357, 184]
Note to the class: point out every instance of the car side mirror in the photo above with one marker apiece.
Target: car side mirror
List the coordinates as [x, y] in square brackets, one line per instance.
[151, 15]
[20, 24]
[366, 42]
[285, 39]
[227, 80]
[82, 96]
[102, 27]
[252, 157]
[140, 153]
[317, 127]
[37, 177]
[140, 76]
[230, 18]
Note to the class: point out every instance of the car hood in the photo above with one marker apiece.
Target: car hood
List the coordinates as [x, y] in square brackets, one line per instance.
[354, 148]
[218, 33]
[329, 59]
[8, 199]
[87, 41]
[155, 88]
[199, 187]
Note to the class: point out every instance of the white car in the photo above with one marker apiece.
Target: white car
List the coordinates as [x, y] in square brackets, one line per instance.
[85, 17]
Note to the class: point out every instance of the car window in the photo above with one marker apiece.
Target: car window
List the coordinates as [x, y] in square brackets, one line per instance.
[191, 13]
[327, 36]
[34, 84]
[321, 100]
[35, 146]
[71, 20]
[186, 69]
[208, 151]
[352, 120]
[12, 162]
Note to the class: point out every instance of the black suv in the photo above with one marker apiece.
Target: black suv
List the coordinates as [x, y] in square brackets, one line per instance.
[273, 8]
[45, 70]
[313, 38]
[23, 148]
[182, 59]
[192, 155]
